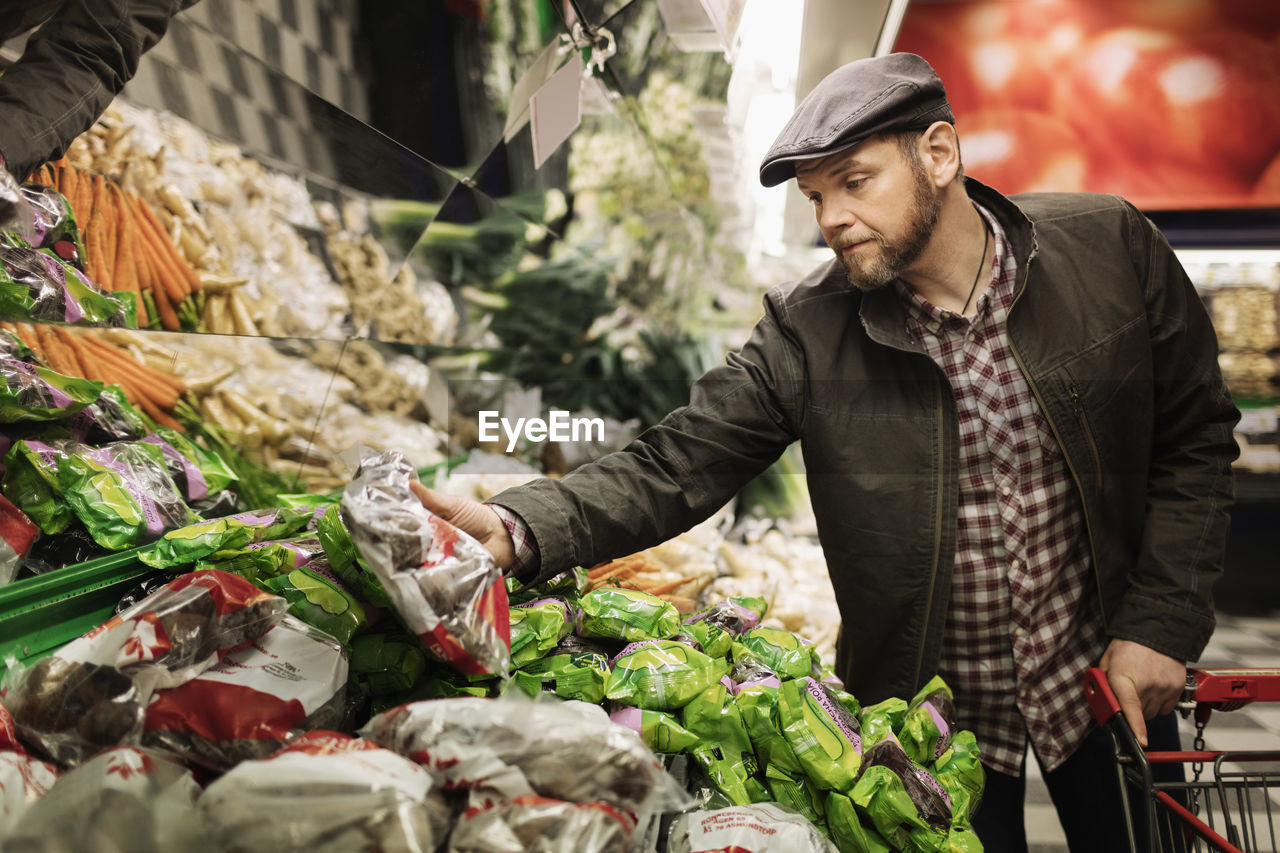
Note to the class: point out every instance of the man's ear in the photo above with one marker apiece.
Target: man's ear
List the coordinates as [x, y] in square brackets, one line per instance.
[939, 149]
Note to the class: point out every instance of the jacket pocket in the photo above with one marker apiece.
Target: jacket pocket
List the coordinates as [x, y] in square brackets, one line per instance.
[1077, 408]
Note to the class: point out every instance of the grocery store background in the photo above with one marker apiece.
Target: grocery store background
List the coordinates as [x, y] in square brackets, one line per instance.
[1172, 103]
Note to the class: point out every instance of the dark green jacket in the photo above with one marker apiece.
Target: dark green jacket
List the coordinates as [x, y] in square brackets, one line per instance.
[1120, 354]
[71, 69]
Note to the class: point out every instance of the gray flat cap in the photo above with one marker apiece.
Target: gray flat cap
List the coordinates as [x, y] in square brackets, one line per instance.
[896, 92]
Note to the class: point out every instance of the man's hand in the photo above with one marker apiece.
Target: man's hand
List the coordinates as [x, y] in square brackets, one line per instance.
[475, 518]
[1146, 682]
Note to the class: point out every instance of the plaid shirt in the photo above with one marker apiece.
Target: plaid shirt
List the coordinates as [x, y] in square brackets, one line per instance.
[526, 549]
[1022, 625]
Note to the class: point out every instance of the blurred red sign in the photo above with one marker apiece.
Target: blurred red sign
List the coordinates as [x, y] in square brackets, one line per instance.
[1174, 104]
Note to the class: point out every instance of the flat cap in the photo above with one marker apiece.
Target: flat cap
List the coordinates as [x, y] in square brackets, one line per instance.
[899, 91]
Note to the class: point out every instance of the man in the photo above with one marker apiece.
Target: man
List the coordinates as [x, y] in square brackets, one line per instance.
[82, 55]
[1017, 439]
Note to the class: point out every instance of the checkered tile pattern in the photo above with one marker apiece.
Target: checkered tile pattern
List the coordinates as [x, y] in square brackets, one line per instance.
[256, 72]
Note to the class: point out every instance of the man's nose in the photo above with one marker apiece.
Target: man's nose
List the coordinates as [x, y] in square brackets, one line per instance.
[834, 218]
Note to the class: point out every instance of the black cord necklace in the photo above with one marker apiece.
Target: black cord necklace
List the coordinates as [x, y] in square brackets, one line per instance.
[982, 262]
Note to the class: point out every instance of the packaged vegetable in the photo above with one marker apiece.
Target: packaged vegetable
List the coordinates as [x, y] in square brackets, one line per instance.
[54, 224]
[441, 581]
[574, 669]
[724, 748]
[959, 767]
[30, 392]
[388, 662]
[94, 691]
[929, 722]
[755, 828]
[38, 285]
[23, 778]
[186, 545]
[198, 472]
[782, 651]
[512, 747]
[757, 702]
[325, 792]
[903, 801]
[660, 731]
[17, 533]
[111, 417]
[847, 830]
[569, 585]
[259, 561]
[246, 706]
[962, 839]
[627, 614]
[122, 493]
[345, 560]
[823, 735]
[882, 719]
[734, 615]
[661, 675]
[543, 825]
[31, 481]
[536, 627]
[124, 798]
[714, 642]
[317, 598]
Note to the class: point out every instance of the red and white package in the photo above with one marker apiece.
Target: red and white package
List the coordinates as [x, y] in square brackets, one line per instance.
[93, 692]
[23, 779]
[443, 583]
[545, 825]
[247, 705]
[17, 533]
[352, 795]
[124, 798]
[756, 828]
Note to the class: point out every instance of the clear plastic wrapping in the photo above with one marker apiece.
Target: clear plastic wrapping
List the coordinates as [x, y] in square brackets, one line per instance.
[443, 583]
[93, 693]
[511, 748]
[541, 825]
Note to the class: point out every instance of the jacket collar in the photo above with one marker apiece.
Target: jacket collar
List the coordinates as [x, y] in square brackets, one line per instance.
[882, 313]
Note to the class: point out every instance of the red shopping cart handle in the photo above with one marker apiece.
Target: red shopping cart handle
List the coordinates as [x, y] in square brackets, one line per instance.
[1102, 701]
[1228, 689]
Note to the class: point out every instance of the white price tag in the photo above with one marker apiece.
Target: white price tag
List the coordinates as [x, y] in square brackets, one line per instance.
[555, 110]
[540, 72]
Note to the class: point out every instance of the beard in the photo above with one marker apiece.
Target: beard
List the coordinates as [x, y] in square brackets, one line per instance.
[894, 256]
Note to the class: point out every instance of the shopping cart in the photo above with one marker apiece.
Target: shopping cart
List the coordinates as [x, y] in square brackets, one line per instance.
[1231, 801]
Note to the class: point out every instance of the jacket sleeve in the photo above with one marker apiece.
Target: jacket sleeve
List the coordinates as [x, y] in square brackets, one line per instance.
[1190, 487]
[740, 417]
[71, 70]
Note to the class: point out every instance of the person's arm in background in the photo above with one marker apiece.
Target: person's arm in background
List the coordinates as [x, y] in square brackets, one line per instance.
[1166, 616]
[740, 418]
[72, 68]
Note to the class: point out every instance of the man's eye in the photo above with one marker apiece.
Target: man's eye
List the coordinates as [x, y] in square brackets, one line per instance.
[855, 183]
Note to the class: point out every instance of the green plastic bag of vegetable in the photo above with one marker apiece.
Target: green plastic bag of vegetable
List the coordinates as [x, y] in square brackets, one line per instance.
[822, 733]
[715, 642]
[29, 392]
[198, 472]
[661, 675]
[882, 719]
[960, 767]
[568, 585]
[660, 731]
[321, 601]
[724, 748]
[904, 802]
[230, 534]
[536, 628]
[259, 561]
[929, 722]
[388, 662]
[782, 651]
[847, 830]
[122, 494]
[345, 560]
[735, 615]
[572, 670]
[31, 481]
[962, 839]
[796, 792]
[626, 614]
[757, 701]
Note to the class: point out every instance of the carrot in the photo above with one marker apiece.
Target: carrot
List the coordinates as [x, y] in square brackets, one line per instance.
[190, 281]
[158, 415]
[161, 387]
[126, 273]
[71, 345]
[55, 354]
[662, 588]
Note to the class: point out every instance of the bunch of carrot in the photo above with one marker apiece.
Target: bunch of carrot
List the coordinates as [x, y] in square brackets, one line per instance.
[126, 247]
[86, 355]
[636, 572]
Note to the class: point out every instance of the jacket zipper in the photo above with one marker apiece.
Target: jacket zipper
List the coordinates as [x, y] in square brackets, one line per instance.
[1075, 476]
[1088, 435]
[937, 536]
